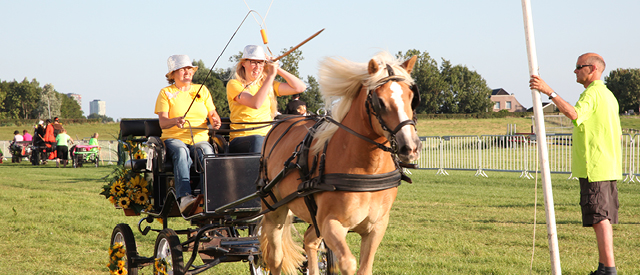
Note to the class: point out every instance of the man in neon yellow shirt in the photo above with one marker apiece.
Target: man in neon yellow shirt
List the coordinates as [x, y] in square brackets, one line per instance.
[596, 151]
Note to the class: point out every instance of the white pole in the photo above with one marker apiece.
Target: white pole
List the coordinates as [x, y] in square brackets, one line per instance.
[552, 235]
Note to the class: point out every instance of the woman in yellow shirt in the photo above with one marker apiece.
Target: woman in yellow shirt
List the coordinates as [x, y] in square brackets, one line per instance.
[252, 97]
[185, 134]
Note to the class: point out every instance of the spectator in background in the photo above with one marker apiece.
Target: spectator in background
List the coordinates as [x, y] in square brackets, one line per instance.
[62, 148]
[94, 139]
[17, 137]
[296, 106]
[26, 136]
[49, 139]
[57, 126]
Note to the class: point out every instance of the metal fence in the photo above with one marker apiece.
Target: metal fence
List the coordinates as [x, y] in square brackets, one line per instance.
[504, 153]
[513, 153]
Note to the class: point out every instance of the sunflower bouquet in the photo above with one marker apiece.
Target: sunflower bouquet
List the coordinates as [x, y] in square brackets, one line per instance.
[116, 262]
[127, 190]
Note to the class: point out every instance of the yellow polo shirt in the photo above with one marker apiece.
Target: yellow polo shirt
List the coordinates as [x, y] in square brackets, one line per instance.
[241, 113]
[176, 102]
[596, 150]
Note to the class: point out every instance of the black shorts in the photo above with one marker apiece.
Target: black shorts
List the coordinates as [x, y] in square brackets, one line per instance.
[62, 152]
[599, 202]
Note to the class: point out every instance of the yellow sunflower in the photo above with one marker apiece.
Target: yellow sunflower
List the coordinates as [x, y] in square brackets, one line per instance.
[118, 188]
[141, 198]
[140, 155]
[139, 182]
[124, 202]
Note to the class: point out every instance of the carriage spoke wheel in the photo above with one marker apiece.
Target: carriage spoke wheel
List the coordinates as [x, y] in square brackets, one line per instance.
[169, 250]
[122, 234]
[256, 268]
[327, 262]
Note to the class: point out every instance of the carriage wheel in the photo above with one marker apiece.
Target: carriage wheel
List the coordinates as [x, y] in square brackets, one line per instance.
[122, 234]
[255, 268]
[169, 249]
[74, 159]
[327, 262]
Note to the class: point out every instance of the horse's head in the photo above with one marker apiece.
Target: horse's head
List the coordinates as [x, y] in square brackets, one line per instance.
[393, 102]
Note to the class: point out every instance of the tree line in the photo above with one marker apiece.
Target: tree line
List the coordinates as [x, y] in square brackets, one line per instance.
[27, 100]
[444, 89]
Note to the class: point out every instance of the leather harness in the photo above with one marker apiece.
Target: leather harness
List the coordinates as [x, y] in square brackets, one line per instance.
[336, 181]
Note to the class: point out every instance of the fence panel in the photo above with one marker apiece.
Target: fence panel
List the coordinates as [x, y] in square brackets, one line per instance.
[430, 154]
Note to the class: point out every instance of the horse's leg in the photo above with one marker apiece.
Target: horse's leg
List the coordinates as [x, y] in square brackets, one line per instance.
[271, 238]
[369, 245]
[311, 244]
[334, 235]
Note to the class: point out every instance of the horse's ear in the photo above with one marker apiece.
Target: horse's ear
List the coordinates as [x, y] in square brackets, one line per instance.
[407, 65]
[373, 66]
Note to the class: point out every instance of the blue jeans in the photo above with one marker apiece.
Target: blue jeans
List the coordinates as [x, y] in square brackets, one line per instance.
[180, 154]
[248, 144]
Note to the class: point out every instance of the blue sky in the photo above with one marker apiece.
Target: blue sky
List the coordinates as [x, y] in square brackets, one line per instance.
[116, 51]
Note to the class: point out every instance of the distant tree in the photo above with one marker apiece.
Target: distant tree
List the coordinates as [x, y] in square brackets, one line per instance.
[625, 86]
[49, 103]
[69, 108]
[427, 77]
[216, 85]
[289, 63]
[465, 90]
[4, 87]
[20, 98]
[312, 95]
[102, 118]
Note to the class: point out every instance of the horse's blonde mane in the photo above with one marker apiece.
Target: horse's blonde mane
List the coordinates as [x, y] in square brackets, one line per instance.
[340, 81]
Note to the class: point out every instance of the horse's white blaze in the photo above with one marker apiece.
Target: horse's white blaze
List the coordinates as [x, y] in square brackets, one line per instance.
[396, 96]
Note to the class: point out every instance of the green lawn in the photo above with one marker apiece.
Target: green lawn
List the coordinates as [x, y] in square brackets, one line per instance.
[55, 222]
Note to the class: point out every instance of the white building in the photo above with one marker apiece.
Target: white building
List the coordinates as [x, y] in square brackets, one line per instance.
[97, 106]
[76, 97]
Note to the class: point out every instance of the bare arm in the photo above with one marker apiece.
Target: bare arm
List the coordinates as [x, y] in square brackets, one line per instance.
[166, 122]
[214, 119]
[293, 86]
[255, 101]
[567, 109]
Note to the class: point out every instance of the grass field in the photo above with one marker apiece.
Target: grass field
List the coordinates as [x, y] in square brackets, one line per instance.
[53, 221]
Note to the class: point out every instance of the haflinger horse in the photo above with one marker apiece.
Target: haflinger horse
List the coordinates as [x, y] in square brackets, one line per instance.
[348, 164]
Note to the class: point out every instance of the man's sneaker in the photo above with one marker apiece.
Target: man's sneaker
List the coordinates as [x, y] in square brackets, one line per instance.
[186, 203]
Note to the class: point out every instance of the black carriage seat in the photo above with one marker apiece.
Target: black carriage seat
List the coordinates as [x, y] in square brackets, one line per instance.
[134, 130]
[228, 177]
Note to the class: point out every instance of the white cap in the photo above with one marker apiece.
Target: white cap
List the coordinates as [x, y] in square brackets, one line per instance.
[254, 52]
[40, 122]
[179, 61]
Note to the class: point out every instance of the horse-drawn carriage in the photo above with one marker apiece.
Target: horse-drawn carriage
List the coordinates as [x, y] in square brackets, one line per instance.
[19, 150]
[339, 174]
[225, 217]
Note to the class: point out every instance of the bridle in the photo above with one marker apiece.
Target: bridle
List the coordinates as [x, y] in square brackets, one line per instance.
[374, 107]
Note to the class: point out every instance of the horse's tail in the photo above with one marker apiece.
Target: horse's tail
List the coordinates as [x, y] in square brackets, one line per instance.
[292, 257]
